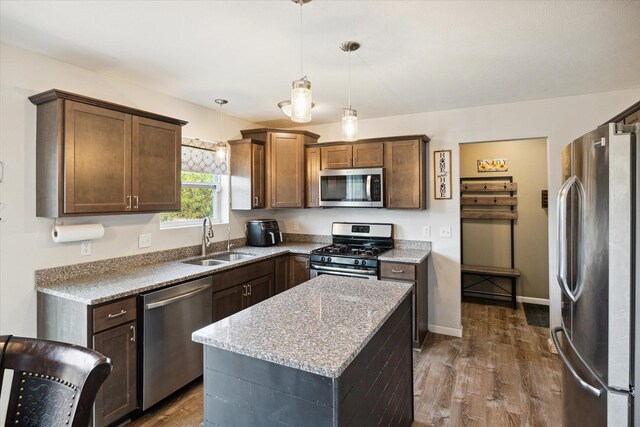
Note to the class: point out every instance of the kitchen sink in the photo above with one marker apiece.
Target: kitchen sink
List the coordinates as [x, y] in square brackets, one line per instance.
[228, 257]
[220, 259]
[207, 262]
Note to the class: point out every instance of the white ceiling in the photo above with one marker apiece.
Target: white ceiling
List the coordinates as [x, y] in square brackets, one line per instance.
[416, 56]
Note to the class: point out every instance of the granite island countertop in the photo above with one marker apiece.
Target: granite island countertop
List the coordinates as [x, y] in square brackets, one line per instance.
[319, 326]
[104, 287]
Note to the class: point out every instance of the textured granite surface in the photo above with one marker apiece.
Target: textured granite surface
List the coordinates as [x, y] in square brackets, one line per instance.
[412, 244]
[413, 256]
[319, 326]
[306, 238]
[105, 286]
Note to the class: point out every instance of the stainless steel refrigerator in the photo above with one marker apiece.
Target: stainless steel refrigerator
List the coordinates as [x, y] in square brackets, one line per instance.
[597, 260]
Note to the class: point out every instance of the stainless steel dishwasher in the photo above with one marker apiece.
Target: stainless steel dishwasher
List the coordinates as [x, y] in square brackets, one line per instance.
[170, 359]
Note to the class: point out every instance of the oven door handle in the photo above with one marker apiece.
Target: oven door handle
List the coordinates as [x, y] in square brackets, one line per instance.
[356, 275]
[341, 270]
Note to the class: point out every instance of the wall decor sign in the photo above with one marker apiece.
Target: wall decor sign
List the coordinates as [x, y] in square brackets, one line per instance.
[442, 174]
[494, 165]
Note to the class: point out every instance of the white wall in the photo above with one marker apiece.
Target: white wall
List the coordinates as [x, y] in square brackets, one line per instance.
[561, 120]
[25, 243]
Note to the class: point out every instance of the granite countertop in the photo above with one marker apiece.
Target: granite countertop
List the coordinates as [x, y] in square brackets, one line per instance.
[100, 288]
[413, 256]
[319, 326]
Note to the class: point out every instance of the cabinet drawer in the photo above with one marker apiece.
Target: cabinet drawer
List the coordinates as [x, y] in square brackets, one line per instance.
[114, 314]
[395, 270]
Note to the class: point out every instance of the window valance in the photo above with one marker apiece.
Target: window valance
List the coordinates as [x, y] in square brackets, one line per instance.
[204, 156]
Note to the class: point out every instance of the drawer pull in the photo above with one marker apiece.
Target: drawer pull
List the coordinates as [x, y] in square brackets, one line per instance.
[397, 271]
[113, 316]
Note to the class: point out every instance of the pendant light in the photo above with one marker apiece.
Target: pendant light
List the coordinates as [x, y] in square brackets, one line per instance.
[221, 147]
[301, 91]
[349, 115]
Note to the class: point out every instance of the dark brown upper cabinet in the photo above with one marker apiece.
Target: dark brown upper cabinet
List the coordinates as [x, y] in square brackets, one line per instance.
[406, 177]
[95, 158]
[312, 178]
[247, 164]
[364, 155]
[284, 165]
[404, 159]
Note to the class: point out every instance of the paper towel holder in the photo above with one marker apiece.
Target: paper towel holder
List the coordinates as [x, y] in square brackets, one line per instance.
[60, 234]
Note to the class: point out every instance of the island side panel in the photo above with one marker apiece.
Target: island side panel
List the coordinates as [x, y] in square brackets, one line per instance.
[377, 387]
[245, 391]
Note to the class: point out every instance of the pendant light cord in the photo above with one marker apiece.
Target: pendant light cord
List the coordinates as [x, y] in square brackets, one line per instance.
[349, 90]
[301, 50]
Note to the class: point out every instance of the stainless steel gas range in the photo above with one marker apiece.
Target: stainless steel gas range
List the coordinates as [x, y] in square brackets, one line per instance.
[354, 251]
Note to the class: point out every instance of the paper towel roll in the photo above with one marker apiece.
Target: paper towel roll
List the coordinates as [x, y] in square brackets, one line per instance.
[74, 233]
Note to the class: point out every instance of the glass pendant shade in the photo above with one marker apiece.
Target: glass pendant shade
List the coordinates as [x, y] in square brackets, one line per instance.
[301, 101]
[349, 124]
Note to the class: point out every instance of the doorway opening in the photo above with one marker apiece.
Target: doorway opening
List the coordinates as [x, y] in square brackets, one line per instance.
[504, 223]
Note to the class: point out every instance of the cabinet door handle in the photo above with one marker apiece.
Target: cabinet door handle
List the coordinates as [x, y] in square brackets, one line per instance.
[114, 315]
[128, 203]
[308, 264]
[249, 286]
[273, 200]
[135, 199]
[133, 333]
[244, 290]
[397, 271]
[255, 201]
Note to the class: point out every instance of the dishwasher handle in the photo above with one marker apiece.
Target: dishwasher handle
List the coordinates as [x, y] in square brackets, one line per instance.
[170, 300]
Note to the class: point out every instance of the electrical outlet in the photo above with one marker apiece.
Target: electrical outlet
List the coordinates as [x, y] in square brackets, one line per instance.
[85, 248]
[144, 240]
[445, 232]
[296, 226]
[426, 231]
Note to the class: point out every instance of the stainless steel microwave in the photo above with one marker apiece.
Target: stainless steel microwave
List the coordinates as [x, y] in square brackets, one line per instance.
[360, 188]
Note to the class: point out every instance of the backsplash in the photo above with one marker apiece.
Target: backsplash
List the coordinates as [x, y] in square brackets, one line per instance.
[306, 238]
[59, 274]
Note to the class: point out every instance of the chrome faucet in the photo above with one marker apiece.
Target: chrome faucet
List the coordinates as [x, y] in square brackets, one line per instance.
[207, 234]
[229, 245]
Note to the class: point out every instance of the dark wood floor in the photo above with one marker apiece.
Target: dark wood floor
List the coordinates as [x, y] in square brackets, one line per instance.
[501, 373]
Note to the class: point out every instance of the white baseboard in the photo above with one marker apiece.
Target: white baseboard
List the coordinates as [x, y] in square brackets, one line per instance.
[454, 332]
[529, 300]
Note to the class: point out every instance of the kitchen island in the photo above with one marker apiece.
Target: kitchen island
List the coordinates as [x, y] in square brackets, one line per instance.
[331, 351]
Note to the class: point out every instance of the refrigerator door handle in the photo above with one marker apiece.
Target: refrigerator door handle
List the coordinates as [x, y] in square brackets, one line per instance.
[562, 238]
[585, 385]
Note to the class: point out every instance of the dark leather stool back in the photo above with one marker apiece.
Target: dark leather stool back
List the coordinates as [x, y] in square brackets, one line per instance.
[54, 383]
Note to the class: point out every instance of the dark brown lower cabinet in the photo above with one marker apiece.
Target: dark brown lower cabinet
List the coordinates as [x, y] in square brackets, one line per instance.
[228, 302]
[281, 273]
[417, 275]
[298, 270]
[117, 396]
[232, 300]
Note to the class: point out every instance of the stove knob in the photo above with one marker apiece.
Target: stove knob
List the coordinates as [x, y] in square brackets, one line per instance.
[329, 259]
[363, 262]
[322, 259]
[356, 262]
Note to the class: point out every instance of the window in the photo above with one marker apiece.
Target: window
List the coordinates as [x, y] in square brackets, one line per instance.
[204, 176]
